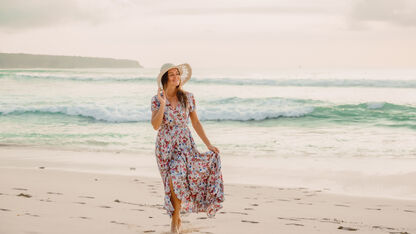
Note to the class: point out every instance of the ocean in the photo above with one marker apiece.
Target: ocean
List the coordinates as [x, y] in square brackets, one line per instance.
[277, 122]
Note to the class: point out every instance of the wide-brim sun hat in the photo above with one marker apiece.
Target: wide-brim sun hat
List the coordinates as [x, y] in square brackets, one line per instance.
[185, 72]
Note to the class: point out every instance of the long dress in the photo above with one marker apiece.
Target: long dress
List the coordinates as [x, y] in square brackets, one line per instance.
[196, 177]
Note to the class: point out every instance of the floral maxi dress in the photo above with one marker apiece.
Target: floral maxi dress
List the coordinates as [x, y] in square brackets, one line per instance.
[196, 177]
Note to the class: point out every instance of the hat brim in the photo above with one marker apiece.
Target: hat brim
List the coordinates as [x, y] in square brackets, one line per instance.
[185, 72]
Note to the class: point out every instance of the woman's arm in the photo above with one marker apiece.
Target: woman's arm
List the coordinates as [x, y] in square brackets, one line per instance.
[200, 131]
[157, 115]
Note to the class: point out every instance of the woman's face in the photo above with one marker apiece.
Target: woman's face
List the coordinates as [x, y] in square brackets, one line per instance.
[174, 79]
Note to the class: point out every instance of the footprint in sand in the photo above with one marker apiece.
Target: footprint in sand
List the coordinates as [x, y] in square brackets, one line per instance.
[138, 209]
[341, 205]
[254, 204]
[24, 195]
[157, 206]
[82, 203]
[89, 197]
[248, 221]
[47, 200]
[3, 209]
[20, 189]
[105, 206]
[190, 230]
[84, 217]
[33, 215]
[54, 193]
[291, 219]
[328, 220]
[148, 231]
[118, 222]
[248, 208]
[412, 211]
[383, 227]
[347, 228]
[294, 224]
[369, 208]
[235, 212]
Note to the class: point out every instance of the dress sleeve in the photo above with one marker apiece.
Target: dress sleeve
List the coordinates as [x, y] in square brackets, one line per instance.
[155, 104]
[192, 105]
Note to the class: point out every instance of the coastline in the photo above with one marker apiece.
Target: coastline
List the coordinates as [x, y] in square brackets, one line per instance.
[53, 197]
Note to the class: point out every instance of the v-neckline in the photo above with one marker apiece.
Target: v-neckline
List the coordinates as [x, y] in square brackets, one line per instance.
[170, 105]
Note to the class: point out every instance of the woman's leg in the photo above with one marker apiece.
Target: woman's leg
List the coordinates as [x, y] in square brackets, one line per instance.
[176, 220]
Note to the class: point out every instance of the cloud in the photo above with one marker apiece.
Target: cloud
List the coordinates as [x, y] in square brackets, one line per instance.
[397, 12]
[18, 15]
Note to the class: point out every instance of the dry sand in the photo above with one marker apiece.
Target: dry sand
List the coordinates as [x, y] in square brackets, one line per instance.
[41, 199]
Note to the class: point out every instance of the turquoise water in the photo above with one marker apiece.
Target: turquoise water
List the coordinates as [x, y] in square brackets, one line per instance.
[354, 113]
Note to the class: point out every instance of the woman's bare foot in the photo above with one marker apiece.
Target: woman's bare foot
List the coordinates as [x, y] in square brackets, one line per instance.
[174, 228]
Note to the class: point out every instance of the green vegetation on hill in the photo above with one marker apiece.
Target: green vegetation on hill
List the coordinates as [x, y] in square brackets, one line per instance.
[58, 61]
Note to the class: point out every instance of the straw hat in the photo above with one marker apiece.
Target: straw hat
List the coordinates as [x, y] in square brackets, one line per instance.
[185, 72]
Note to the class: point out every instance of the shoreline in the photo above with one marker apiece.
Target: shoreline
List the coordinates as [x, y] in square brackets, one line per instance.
[349, 177]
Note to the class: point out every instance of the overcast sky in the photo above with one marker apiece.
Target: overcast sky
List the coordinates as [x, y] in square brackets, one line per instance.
[232, 33]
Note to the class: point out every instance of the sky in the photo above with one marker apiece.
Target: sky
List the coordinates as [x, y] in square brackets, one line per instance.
[239, 34]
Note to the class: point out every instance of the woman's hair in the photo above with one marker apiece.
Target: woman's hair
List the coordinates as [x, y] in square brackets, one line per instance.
[180, 92]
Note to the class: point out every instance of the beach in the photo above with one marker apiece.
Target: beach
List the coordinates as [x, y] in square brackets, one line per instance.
[41, 192]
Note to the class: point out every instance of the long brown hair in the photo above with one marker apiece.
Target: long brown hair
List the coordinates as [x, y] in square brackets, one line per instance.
[180, 94]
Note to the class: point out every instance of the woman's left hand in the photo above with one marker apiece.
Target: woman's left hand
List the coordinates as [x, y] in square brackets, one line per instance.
[213, 148]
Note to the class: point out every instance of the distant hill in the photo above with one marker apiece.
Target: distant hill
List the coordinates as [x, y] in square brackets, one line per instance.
[59, 61]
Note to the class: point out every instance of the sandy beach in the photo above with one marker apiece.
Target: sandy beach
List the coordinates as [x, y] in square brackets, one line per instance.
[53, 197]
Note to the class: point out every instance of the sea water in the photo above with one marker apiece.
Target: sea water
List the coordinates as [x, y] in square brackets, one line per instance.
[317, 128]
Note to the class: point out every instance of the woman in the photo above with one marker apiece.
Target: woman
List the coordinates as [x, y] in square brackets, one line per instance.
[192, 180]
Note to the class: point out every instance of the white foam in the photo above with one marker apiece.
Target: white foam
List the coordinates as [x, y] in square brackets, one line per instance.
[132, 112]
[375, 105]
[104, 113]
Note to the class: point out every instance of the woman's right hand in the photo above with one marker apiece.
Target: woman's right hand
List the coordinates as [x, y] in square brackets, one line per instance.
[161, 99]
[157, 116]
